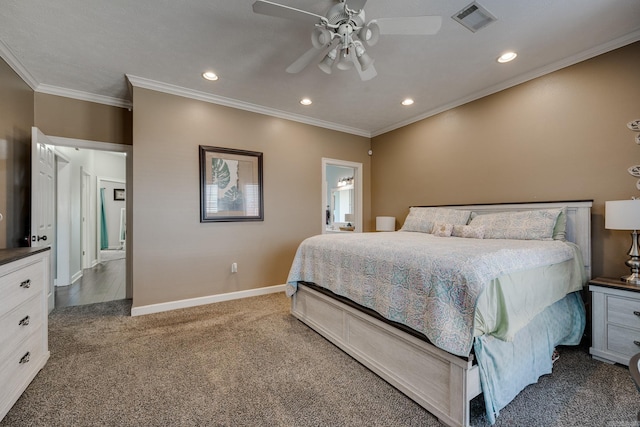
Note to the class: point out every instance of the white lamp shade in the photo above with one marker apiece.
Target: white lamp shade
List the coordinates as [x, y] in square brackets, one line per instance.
[320, 37]
[386, 223]
[370, 33]
[344, 63]
[363, 58]
[327, 62]
[622, 215]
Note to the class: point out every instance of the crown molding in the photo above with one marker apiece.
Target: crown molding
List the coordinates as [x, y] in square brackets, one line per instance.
[539, 72]
[144, 83]
[30, 80]
[17, 66]
[84, 96]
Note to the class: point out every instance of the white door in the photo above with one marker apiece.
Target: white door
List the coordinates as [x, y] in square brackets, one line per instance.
[43, 185]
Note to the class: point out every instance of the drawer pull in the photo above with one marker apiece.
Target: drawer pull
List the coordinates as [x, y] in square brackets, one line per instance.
[25, 358]
[26, 284]
[637, 343]
[24, 322]
[637, 313]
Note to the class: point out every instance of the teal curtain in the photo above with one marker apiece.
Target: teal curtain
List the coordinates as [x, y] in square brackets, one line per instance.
[104, 236]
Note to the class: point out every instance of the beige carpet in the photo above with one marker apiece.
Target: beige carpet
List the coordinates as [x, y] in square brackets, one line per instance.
[249, 363]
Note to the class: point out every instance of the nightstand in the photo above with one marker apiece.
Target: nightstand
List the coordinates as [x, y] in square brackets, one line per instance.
[615, 320]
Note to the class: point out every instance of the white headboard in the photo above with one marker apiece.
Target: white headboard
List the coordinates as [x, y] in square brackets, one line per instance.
[578, 220]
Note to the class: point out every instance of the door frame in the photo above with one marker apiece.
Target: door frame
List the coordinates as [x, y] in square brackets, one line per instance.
[358, 186]
[85, 212]
[62, 275]
[99, 181]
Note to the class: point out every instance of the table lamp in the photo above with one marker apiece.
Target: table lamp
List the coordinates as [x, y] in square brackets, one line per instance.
[386, 223]
[625, 215]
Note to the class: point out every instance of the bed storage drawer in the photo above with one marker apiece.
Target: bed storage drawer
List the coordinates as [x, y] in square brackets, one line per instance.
[437, 380]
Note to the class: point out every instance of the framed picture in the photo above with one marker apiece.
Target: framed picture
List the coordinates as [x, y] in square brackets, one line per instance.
[118, 194]
[230, 185]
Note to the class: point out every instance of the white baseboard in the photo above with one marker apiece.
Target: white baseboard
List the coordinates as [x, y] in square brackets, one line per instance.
[193, 302]
[76, 277]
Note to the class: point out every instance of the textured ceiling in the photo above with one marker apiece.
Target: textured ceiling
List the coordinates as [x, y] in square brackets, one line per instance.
[86, 49]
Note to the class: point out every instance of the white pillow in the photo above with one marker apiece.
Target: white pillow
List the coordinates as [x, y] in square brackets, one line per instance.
[468, 231]
[442, 229]
[525, 225]
[423, 219]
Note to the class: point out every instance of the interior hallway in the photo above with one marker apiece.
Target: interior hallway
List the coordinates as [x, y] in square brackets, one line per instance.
[104, 282]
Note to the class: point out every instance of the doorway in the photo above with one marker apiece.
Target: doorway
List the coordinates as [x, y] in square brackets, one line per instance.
[93, 278]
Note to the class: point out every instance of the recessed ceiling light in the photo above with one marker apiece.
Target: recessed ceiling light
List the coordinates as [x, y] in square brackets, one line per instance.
[507, 57]
[210, 75]
[305, 101]
[407, 101]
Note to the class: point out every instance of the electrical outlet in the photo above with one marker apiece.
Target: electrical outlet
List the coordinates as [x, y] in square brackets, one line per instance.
[234, 267]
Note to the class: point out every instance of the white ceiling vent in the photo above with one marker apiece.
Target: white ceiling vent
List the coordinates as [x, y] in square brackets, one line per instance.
[474, 17]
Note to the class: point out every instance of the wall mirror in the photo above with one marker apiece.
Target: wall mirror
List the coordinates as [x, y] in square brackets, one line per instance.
[342, 200]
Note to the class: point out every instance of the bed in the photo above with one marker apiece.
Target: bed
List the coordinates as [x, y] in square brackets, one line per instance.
[443, 361]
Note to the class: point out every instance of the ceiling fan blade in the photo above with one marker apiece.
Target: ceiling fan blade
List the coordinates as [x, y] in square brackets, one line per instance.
[265, 7]
[365, 75]
[356, 4]
[307, 57]
[413, 25]
[304, 60]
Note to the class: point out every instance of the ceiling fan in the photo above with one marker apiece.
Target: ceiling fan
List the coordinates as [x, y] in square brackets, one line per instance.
[340, 37]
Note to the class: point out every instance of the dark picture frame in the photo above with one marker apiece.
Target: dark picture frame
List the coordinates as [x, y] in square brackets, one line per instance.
[230, 185]
[118, 194]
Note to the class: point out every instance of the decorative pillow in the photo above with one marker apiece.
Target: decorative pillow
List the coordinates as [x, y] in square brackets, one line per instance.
[560, 230]
[442, 229]
[468, 231]
[423, 219]
[525, 225]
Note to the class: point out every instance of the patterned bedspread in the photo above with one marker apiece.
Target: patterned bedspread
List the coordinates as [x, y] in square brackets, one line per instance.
[428, 283]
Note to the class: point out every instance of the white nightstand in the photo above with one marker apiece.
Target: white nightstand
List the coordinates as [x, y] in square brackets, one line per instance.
[615, 320]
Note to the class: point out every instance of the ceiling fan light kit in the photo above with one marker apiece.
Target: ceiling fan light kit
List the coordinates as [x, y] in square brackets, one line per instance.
[327, 62]
[370, 33]
[339, 38]
[320, 37]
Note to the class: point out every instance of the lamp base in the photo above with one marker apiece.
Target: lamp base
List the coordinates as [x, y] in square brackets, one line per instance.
[634, 262]
[632, 279]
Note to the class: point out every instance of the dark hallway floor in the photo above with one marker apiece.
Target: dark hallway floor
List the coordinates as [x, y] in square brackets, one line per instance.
[104, 282]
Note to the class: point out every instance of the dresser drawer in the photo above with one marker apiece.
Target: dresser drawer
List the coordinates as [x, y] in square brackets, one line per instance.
[18, 369]
[19, 323]
[20, 285]
[623, 340]
[623, 311]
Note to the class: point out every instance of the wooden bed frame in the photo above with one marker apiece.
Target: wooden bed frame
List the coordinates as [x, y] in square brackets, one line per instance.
[442, 383]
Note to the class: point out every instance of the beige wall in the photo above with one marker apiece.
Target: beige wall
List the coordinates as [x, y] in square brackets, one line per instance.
[174, 255]
[16, 119]
[562, 136]
[72, 118]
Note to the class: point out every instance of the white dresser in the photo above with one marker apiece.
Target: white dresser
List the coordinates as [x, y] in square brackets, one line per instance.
[24, 349]
[615, 320]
